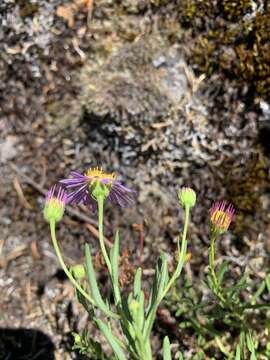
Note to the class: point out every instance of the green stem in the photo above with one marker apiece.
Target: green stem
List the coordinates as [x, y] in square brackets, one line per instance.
[100, 201]
[64, 267]
[181, 255]
[175, 275]
[212, 269]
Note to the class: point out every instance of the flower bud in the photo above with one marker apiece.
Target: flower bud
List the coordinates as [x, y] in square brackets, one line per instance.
[188, 257]
[78, 271]
[55, 204]
[221, 216]
[77, 338]
[187, 197]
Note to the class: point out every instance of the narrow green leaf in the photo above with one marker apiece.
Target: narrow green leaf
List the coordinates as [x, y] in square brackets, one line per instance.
[238, 353]
[111, 339]
[137, 283]
[242, 341]
[93, 284]
[267, 281]
[141, 314]
[222, 271]
[154, 290]
[241, 285]
[163, 279]
[180, 356]
[250, 343]
[167, 349]
[258, 293]
[114, 257]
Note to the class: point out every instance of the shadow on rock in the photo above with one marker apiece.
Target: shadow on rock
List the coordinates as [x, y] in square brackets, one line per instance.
[18, 344]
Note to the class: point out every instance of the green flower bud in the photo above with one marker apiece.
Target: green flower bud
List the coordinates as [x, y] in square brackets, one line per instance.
[187, 197]
[77, 338]
[78, 271]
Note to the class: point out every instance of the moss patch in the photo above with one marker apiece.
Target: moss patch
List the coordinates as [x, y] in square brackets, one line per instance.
[233, 37]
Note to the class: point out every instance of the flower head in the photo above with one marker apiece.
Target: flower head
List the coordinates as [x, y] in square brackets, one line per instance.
[221, 216]
[86, 188]
[187, 197]
[55, 204]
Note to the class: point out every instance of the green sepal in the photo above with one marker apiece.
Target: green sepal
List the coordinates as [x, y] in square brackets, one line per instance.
[114, 257]
[93, 284]
[112, 340]
[167, 349]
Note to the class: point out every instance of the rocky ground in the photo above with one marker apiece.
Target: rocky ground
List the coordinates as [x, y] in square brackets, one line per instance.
[114, 84]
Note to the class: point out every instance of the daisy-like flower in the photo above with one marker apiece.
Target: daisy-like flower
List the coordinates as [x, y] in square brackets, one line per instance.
[84, 188]
[55, 204]
[221, 216]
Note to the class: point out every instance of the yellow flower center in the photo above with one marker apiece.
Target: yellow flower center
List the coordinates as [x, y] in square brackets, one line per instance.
[56, 203]
[220, 219]
[99, 174]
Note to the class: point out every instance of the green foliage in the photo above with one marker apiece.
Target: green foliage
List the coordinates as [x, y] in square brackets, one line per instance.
[228, 318]
[135, 319]
[230, 308]
[85, 345]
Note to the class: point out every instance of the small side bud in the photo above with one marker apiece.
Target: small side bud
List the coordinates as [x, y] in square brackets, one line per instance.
[78, 271]
[77, 338]
[187, 197]
[55, 204]
[188, 257]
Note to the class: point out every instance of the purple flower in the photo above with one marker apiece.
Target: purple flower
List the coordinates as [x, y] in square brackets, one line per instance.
[82, 186]
[55, 204]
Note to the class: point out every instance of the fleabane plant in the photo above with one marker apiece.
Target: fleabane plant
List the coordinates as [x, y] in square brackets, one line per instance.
[135, 315]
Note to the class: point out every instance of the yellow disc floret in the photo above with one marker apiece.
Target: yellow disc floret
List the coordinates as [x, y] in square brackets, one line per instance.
[99, 174]
[221, 220]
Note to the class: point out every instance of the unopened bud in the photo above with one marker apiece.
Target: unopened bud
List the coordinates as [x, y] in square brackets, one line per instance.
[187, 197]
[78, 271]
[55, 204]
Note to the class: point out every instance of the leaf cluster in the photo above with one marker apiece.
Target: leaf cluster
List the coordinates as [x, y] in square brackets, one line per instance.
[230, 322]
